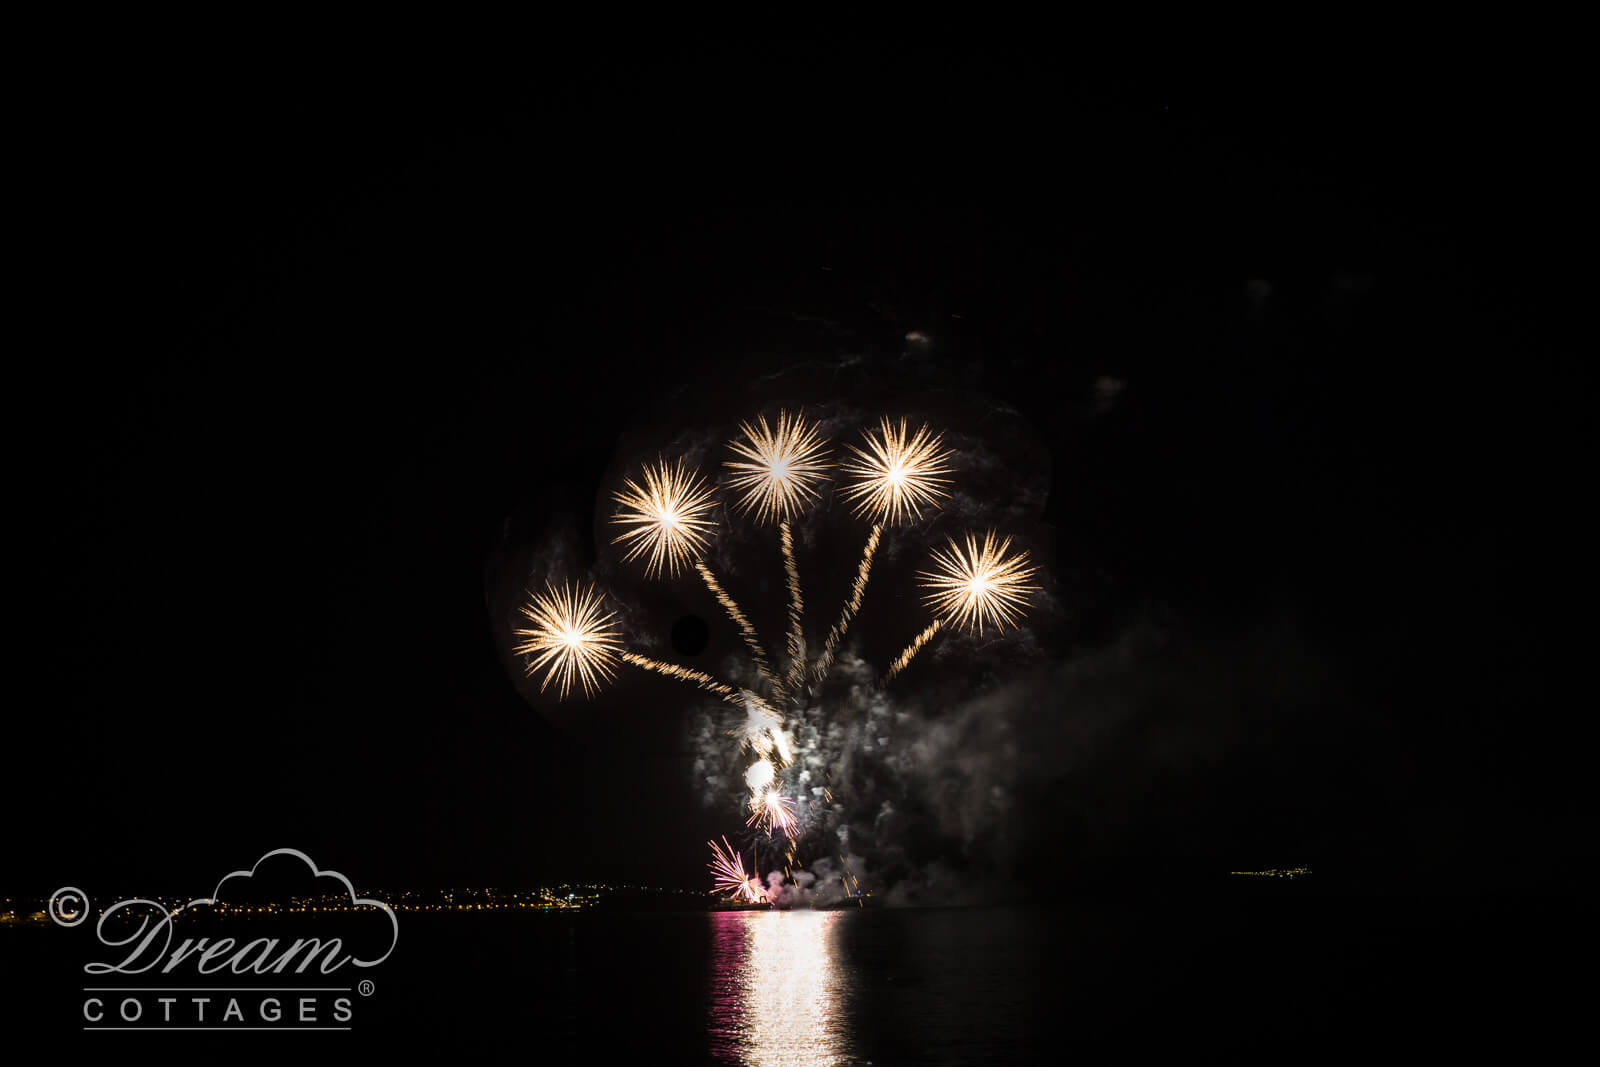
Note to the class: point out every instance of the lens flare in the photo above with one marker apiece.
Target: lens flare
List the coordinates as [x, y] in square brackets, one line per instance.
[779, 469]
[975, 587]
[667, 518]
[895, 477]
[571, 636]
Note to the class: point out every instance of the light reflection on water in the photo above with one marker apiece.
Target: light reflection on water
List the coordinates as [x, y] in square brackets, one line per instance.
[777, 995]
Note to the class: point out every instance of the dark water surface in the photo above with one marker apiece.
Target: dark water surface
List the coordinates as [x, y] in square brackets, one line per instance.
[921, 986]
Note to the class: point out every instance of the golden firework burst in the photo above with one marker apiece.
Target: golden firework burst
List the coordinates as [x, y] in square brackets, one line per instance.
[573, 636]
[897, 474]
[979, 586]
[668, 518]
[780, 468]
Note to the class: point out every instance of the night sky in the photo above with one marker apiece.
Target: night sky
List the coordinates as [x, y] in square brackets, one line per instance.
[315, 365]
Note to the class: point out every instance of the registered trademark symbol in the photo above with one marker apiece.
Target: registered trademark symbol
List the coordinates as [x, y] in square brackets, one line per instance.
[365, 987]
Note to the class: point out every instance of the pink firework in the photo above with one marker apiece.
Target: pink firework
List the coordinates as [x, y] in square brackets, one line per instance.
[728, 874]
[774, 812]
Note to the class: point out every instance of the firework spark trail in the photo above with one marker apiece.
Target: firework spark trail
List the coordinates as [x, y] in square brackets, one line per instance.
[745, 628]
[831, 647]
[797, 633]
[694, 677]
[850, 890]
[762, 717]
[911, 650]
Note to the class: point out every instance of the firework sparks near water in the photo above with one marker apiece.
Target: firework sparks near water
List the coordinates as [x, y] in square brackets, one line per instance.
[778, 471]
[668, 518]
[571, 635]
[728, 874]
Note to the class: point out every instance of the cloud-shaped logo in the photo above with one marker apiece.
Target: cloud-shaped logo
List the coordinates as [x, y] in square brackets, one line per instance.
[217, 896]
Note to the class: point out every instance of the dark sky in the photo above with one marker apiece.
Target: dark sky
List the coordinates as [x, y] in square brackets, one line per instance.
[305, 354]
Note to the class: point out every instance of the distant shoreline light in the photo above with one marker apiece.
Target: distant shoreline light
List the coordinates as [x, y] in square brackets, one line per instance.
[1289, 872]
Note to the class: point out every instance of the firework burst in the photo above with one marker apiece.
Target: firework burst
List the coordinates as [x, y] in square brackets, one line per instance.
[975, 587]
[572, 636]
[896, 476]
[667, 518]
[773, 812]
[728, 874]
[779, 469]
[668, 515]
